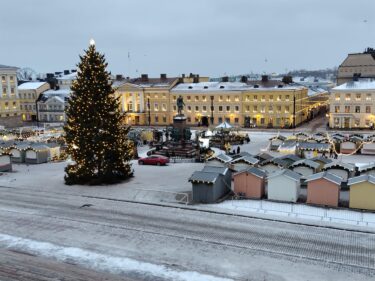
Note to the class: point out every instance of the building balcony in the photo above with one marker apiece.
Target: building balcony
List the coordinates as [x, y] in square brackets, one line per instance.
[51, 110]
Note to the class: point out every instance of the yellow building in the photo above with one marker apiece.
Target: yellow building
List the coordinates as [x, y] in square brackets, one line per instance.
[352, 105]
[264, 103]
[362, 192]
[9, 100]
[28, 94]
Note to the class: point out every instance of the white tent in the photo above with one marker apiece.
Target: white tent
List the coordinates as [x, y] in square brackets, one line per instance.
[224, 125]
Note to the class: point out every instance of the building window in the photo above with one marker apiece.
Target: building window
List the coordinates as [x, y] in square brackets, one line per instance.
[188, 97]
[220, 119]
[247, 108]
[337, 109]
[263, 109]
[279, 98]
[358, 97]
[228, 108]
[164, 107]
[237, 108]
[287, 109]
[221, 98]
[21, 107]
[336, 121]
[368, 109]
[357, 109]
[337, 97]
[271, 98]
[347, 108]
[287, 98]
[270, 108]
[196, 98]
[263, 98]
[196, 108]
[228, 98]
[204, 98]
[356, 122]
[255, 109]
[188, 108]
[220, 108]
[204, 108]
[164, 119]
[278, 108]
[347, 97]
[367, 122]
[189, 119]
[11, 78]
[156, 119]
[262, 121]
[247, 98]
[3, 79]
[174, 98]
[164, 95]
[156, 106]
[4, 91]
[130, 106]
[255, 98]
[368, 97]
[175, 108]
[236, 120]
[236, 98]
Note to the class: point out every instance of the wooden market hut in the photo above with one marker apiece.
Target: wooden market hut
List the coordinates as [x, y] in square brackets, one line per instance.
[343, 170]
[350, 145]
[284, 185]
[310, 150]
[262, 156]
[18, 152]
[276, 141]
[305, 167]
[54, 150]
[243, 163]
[37, 153]
[5, 163]
[274, 164]
[210, 184]
[362, 192]
[323, 189]
[368, 146]
[220, 160]
[250, 183]
[368, 169]
[321, 161]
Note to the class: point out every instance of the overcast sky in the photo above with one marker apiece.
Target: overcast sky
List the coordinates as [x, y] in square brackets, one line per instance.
[209, 37]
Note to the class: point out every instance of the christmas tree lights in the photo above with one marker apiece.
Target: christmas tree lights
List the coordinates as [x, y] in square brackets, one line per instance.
[95, 135]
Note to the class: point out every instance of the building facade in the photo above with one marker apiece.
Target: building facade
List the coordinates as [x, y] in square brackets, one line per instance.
[352, 105]
[51, 106]
[28, 94]
[9, 99]
[358, 65]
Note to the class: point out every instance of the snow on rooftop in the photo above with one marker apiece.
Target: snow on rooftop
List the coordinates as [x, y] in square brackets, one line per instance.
[70, 76]
[223, 86]
[357, 85]
[57, 92]
[31, 85]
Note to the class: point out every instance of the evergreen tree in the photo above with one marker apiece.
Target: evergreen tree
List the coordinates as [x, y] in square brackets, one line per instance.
[96, 138]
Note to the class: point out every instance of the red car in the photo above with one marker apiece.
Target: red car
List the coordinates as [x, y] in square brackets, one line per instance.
[153, 160]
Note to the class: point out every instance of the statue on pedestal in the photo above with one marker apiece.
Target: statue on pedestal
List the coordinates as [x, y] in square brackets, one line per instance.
[180, 105]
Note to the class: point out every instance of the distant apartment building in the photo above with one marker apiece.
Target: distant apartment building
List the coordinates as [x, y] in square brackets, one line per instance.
[28, 94]
[66, 79]
[51, 106]
[9, 100]
[352, 105]
[357, 65]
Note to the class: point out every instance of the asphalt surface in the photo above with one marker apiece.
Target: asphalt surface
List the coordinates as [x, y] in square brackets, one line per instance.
[183, 240]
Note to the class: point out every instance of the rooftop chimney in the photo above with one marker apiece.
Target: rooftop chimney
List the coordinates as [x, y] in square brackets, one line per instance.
[118, 76]
[144, 77]
[225, 79]
[264, 78]
[66, 72]
[163, 76]
[196, 78]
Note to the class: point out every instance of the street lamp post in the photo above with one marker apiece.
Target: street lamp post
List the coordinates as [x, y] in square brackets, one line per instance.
[149, 111]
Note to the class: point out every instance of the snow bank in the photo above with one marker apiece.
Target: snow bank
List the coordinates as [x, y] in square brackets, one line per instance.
[101, 262]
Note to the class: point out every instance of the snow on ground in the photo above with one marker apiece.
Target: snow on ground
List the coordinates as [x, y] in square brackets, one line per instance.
[101, 262]
[301, 211]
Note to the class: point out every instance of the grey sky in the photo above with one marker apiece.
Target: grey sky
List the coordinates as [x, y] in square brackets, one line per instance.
[209, 37]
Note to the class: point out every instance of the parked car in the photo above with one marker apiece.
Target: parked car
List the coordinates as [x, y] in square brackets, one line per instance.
[154, 160]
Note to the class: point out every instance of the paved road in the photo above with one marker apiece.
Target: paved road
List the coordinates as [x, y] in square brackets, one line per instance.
[179, 240]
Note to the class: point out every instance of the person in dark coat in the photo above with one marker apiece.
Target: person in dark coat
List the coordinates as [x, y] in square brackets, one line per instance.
[238, 150]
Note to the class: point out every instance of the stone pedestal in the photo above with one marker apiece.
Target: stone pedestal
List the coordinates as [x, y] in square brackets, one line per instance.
[179, 121]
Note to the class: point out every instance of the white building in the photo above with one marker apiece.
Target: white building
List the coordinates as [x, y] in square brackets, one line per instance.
[66, 80]
[9, 99]
[352, 105]
[51, 106]
[28, 95]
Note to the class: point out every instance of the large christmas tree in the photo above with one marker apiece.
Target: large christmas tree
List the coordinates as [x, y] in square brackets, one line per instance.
[96, 138]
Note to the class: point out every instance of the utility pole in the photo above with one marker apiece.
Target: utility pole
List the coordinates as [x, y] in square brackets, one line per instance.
[212, 110]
